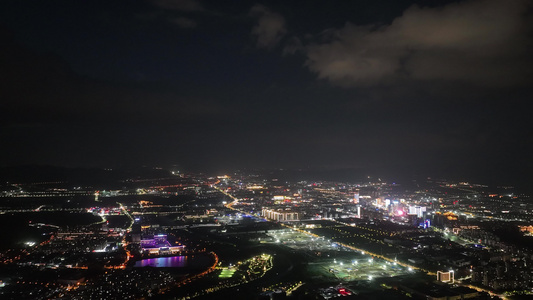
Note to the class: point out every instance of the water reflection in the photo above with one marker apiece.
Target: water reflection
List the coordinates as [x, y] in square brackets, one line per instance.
[163, 262]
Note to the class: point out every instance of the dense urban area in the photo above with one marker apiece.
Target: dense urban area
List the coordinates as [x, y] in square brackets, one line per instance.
[256, 235]
[263, 150]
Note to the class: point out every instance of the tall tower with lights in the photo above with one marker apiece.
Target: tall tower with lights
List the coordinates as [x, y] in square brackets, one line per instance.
[356, 197]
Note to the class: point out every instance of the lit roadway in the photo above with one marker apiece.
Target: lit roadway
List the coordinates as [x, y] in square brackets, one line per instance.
[41, 209]
[394, 261]
[124, 243]
[365, 251]
[125, 211]
[229, 205]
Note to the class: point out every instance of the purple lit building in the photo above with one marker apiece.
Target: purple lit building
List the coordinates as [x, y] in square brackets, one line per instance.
[159, 245]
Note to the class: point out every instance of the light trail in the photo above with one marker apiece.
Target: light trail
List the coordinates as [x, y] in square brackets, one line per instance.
[124, 243]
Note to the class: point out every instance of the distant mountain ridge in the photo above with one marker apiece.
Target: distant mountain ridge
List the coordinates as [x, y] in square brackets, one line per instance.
[76, 176]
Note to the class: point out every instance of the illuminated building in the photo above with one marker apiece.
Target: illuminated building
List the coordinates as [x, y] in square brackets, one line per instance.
[280, 199]
[159, 245]
[356, 197]
[528, 230]
[417, 210]
[280, 215]
[445, 276]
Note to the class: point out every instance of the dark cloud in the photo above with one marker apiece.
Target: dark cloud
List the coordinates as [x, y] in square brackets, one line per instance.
[183, 13]
[93, 83]
[270, 26]
[184, 22]
[43, 89]
[180, 5]
[481, 42]
[293, 45]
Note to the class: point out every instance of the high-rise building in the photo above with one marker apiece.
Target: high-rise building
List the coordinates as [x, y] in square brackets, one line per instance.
[356, 197]
[419, 211]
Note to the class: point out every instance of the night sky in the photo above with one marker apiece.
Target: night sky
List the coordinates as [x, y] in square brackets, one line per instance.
[432, 87]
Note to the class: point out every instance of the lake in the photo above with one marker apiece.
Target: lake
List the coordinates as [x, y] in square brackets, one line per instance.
[199, 261]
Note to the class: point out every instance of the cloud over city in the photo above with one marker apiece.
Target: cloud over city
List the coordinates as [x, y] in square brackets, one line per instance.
[479, 42]
[270, 27]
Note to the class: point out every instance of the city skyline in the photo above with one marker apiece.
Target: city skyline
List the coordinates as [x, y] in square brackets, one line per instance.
[260, 150]
[171, 235]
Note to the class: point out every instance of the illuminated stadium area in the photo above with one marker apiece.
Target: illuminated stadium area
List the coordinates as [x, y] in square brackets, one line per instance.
[301, 241]
[227, 273]
[158, 245]
[361, 269]
[334, 261]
